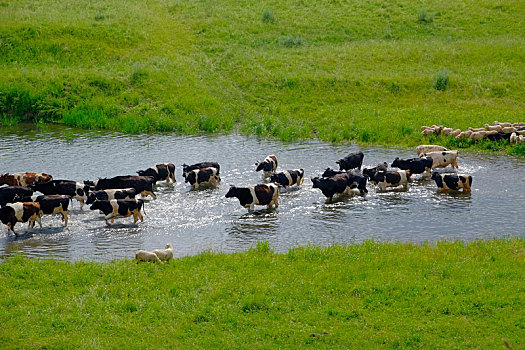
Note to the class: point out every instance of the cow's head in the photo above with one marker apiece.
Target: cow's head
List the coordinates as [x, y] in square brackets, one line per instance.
[91, 198]
[395, 163]
[316, 182]
[232, 192]
[274, 178]
[96, 205]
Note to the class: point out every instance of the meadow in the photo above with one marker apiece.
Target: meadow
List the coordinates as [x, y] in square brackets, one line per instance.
[447, 295]
[337, 70]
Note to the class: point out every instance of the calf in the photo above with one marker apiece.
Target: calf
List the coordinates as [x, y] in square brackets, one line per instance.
[11, 194]
[120, 207]
[164, 254]
[429, 148]
[142, 184]
[268, 165]
[106, 195]
[372, 171]
[443, 159]
[351, 161]
[12, 213]
[53, 204]
[160, 172]
[453, 182]
[415, 165]
[186, 169]
[288, 178]
[24, 179]
[384, 179]
[204, 176]
[249, 196]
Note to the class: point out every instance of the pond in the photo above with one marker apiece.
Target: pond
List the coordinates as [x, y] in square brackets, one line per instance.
[195, 221]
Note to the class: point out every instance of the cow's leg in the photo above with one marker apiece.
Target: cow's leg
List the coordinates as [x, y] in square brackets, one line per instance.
[252, 206]
[64, 216]
[135, 218]
[12, 228]
[140, 216]
[275, 203]
[109, 216]
[39, 219]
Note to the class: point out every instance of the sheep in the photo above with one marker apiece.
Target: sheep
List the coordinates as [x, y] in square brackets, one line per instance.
[427, 132]
[502, 124]
[164, 254]
[520, 132]
[455, 132]
[476, 129]
[478, 135]
[143, 255]
[447, 131]
[492, 128]
[437, 129]
[508, 129]
[518, 124]
[429, 148]
[514, 138]
[521, 138]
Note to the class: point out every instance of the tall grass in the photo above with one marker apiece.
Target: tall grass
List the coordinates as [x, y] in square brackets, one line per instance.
[333, 70]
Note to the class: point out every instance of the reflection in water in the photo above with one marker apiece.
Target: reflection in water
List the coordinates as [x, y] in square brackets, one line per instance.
[198, 220]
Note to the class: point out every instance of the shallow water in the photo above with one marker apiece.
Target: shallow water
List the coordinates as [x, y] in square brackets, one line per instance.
[197, 221]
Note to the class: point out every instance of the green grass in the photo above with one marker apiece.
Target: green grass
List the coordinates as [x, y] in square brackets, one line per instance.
[372, 295]
[365, 71]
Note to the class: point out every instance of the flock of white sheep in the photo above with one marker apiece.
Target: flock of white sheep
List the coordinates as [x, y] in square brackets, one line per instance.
[514, 132]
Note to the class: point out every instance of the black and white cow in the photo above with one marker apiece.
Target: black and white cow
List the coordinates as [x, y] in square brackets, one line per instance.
[391, 178]
[415, 165]
[351, 161]
[143, 184]
[340, 184]
[288, 178]
[12, 213]
[73, 189]
[453, 182]
[120, 207]
[203, 177]
[160, 172]
[186, 169]
[52, 204]
[11, 194]
[106, 195]
[443, 159]
[370, 172]
[268, 165]
[249, 196]
[329, 172]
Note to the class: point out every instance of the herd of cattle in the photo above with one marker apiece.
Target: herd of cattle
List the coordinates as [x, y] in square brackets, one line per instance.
[116, 196]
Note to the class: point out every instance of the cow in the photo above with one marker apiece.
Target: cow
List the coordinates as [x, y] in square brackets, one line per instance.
[186, 169]
[202, 177]
[106, 195]
[11, 194]
[268, 165]
[119, 207]
[340, 184]
[329, 172]
[391, 178]
[73, 189]
[288, 178]
[415, 165]
[143, 184]
[12, 213]
[52, 204]
[24, 179]
[160, 172]
[453, 182]
[351, 161]
[429, 148]
[370, 172]
[249, 196]
[443, 159]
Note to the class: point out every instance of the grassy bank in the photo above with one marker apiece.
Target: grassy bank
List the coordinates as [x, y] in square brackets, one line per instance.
[449, 295]
[366, 71]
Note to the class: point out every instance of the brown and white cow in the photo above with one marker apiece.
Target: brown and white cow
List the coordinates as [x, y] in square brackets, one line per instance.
[268, 165]
[453, 182]
[391, 178]
[12, 213]
[24, 179]
[249, 196]
[288, 178]
[120, 207]
[203, 177]
[160, 172]
[443, 159]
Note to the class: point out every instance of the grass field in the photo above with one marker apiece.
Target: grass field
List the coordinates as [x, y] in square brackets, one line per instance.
[371, 295]
[366, 71]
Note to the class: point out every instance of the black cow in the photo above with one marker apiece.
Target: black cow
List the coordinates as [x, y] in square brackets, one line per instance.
[186, 169]
[288, 178]
[11, 194]
[73, 189]
[268, 165]
[12, 213]
[53, 204]
[119, 207]
[453, 182]
[249, 196]
[106, 195]
[370, 172]
[391, 178]
[203, 176]
[143, 184]
[351, 161]
[337, 184]
[329, 172]
[160, 172]
[415, 165]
